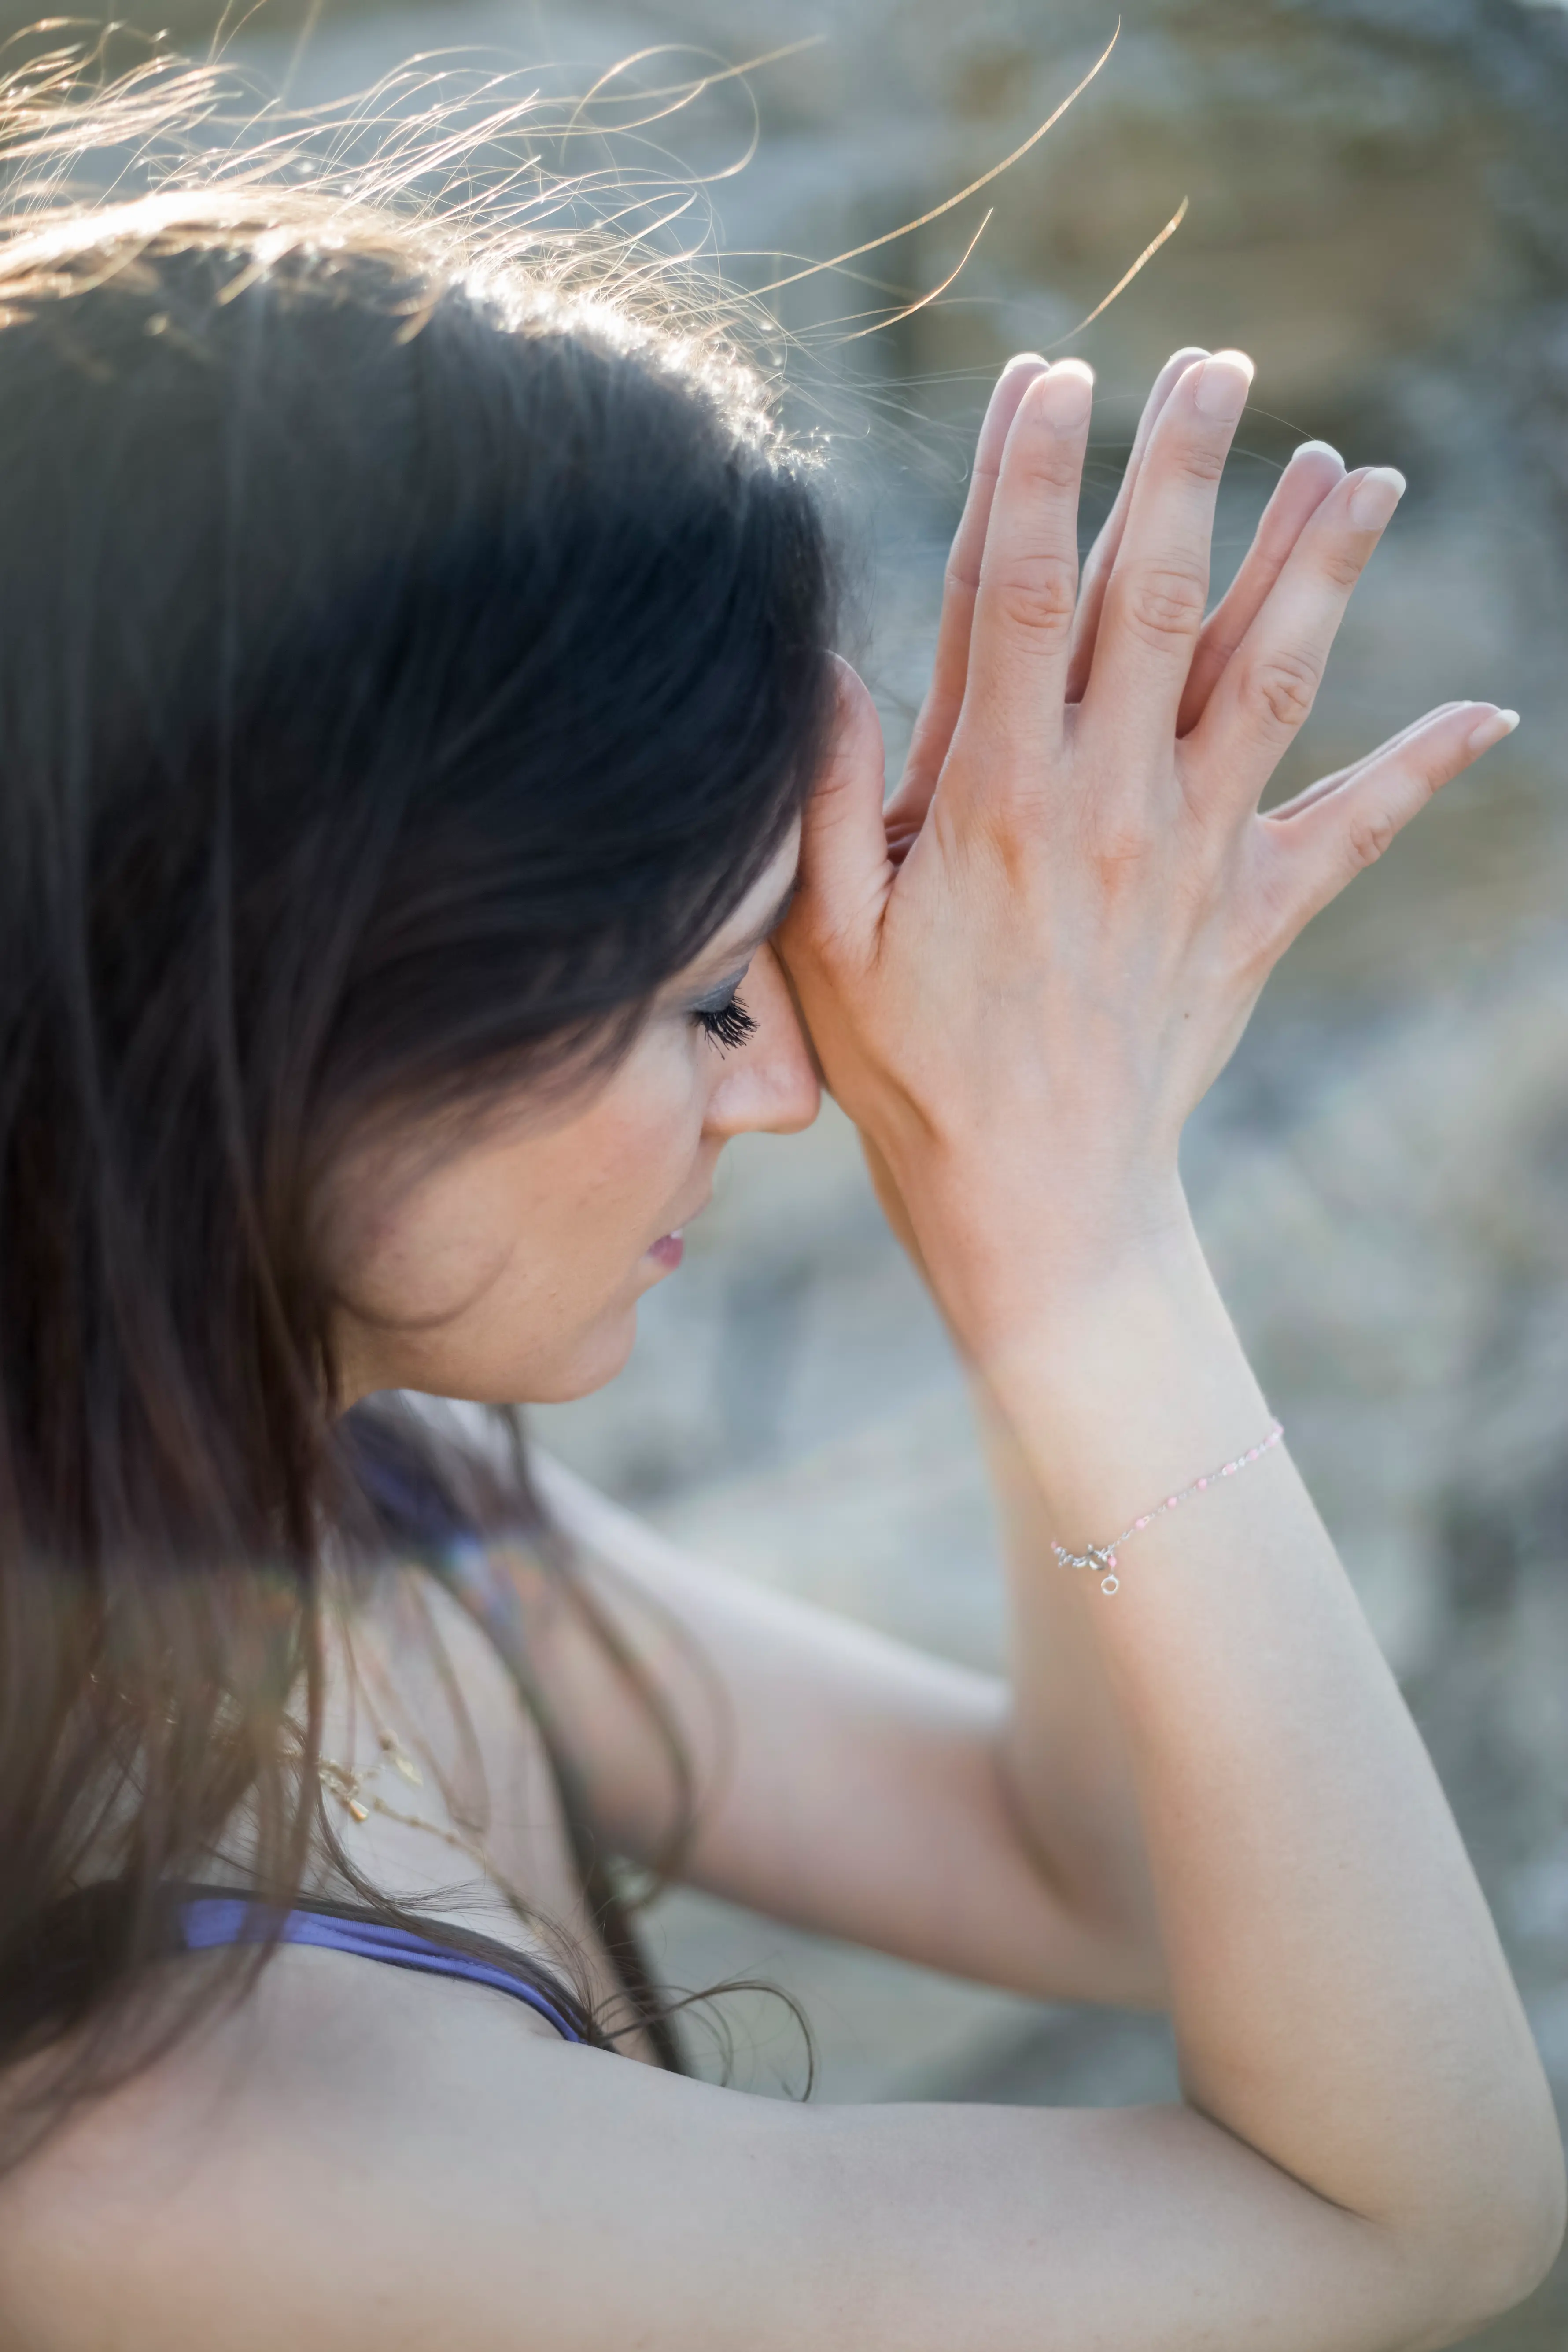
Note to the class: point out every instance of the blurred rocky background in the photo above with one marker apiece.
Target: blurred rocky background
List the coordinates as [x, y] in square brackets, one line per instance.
[1379, 213]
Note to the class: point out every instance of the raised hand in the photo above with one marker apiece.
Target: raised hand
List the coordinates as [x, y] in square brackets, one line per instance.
[1313, 471]
[1022, 975]
[1018, 997]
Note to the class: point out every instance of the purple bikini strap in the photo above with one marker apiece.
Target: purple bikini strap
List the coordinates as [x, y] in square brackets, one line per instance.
[208, 1922]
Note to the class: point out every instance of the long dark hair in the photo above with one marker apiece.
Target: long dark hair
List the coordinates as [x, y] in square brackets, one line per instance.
[408, 657]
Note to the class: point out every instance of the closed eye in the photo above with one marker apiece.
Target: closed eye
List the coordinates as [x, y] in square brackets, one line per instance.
[723, 1019]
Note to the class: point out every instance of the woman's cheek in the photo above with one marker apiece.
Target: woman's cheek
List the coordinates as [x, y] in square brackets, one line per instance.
[515, 1269]
[649, 1133]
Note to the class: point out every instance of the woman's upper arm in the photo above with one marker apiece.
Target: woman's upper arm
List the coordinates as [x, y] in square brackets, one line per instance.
[444, 2179]
[845, 1782]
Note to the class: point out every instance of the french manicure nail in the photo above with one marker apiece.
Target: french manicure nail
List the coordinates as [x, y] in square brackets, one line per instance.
[1067, 394]
[1375, 496]
[1316, 449]
[1492, 729]
[1223, 385]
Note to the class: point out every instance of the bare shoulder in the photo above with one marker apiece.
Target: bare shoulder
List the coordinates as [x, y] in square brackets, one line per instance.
[357, 2157]
[362, 2162]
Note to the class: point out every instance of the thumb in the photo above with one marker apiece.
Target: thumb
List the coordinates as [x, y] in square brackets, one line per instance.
[844, 870]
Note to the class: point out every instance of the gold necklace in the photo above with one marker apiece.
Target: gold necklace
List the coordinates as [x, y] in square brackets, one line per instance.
[351, 1785]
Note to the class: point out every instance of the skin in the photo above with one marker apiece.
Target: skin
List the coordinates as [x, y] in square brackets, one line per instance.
[511, 1268]
[1205, 1791]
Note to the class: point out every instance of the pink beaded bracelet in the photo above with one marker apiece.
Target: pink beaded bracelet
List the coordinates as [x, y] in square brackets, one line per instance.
[1101, 1558]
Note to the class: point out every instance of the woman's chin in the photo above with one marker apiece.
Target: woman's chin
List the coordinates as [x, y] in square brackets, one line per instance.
[568, 1366]
[591, 1363]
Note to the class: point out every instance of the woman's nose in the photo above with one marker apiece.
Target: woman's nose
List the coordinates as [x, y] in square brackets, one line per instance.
[770, 1084]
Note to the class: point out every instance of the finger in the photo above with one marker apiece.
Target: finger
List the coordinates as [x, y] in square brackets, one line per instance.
[844, 871]
[1313, 793]
[1313, 471]
[1268, 685]
[1102, 554]
[1323, 845]
[944, 698]
[1158, 587]
[1022, 637]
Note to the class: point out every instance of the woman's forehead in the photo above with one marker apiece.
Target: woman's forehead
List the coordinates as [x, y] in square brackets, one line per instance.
[760, 910]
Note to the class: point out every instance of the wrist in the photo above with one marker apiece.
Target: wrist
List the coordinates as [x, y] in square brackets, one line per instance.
[1016, 1265]
[1122, 1382]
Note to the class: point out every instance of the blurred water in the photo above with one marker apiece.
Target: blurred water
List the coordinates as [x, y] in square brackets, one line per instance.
[1379, 212]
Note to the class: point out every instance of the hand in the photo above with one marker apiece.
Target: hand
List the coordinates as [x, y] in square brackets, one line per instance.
[1311, 473]
[1022, 975]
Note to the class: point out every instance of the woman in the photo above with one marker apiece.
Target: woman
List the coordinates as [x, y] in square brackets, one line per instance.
[434, 824]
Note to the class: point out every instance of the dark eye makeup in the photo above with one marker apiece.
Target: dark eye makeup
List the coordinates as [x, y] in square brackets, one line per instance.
[722, 1018]
[721, 1015]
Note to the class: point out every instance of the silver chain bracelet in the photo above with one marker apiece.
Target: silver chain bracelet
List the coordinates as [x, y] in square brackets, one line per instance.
[1102, 1557]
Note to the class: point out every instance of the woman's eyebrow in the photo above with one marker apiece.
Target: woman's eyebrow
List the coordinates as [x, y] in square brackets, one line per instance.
[720, 964]
[770, 923]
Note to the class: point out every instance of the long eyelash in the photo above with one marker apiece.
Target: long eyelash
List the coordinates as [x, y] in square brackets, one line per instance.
[727, 1026]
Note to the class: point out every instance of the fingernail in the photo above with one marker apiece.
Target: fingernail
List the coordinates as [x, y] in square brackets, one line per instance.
[1025, 359]
[1067, 394]
[1375, 496]
[1492, 729]
[1189, 354]
[1316, 449]
[1223, 385]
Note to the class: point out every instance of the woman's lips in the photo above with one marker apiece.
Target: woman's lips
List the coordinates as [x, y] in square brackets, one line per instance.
[667, 1251]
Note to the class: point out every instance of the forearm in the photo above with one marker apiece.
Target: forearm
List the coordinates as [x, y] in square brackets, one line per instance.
[1340, 1999]
[1064, 1757]
[1020, 1006]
